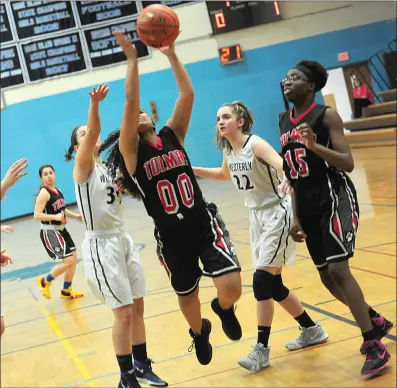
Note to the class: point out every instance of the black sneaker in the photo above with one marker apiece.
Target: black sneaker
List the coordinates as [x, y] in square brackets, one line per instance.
[382, 326]
[377, 357]
[202, 343]
[145, 374]
[128, 380]
[230, 323]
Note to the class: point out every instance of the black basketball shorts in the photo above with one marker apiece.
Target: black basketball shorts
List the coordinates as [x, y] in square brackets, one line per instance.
[330, 216]
[205, 238]
[58, 243]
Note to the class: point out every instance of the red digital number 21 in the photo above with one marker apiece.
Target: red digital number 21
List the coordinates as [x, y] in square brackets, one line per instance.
[303, 170]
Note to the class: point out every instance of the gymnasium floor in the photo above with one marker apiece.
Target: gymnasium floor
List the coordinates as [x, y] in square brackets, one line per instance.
[55, 343]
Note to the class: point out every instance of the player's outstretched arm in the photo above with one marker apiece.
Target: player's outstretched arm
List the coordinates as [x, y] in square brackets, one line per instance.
[85, 162]
[217, 173]
[129, 138]
[179, 121]
[14, 173]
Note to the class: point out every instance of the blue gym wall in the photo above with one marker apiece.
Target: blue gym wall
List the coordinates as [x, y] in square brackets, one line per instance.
[40, 129]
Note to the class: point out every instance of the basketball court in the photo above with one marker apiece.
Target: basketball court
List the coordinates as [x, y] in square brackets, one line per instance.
[57, 343]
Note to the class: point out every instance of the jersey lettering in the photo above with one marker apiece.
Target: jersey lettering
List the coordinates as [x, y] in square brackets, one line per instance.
[293, 135]
[163, 163]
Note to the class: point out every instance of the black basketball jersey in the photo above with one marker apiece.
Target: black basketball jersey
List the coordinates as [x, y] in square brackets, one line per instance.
[165, 178]
[55, 205]
[303, 167]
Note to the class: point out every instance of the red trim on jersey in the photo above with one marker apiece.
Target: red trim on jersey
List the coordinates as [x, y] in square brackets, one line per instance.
[295, 120]
[54, 190]
[158, 145]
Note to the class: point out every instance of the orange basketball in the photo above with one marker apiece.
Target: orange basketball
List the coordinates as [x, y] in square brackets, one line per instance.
[158, 26]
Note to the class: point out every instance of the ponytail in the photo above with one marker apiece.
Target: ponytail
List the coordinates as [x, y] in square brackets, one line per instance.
[73, 142]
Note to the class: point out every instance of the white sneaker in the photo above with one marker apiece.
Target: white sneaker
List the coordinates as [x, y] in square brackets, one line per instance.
[308, 337]
[258, 359]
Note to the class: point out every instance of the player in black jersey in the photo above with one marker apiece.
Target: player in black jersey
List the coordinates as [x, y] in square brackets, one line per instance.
[316, 159]
[186, 226]
[50, 209]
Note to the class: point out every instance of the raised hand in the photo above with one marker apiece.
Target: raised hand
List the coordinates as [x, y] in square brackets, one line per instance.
[307, 135]
[15, 172]
[168, 50]
[99, 93]
[127, 46]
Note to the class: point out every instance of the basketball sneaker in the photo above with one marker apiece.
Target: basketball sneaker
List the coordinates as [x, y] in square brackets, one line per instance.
[44, 287]
[202, 343]
[382, 326]
[309, 336]
[70, 294]
[257, 360]
[128, 380]
[230, 323]
[144, 373]
[376, 359]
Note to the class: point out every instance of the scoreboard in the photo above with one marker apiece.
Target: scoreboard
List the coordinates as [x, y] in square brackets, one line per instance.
[227, 16]
[41, 40]
[46, 39]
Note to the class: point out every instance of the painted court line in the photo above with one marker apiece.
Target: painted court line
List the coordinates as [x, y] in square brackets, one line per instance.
[66, 344]
[328, 316]
[376, 252]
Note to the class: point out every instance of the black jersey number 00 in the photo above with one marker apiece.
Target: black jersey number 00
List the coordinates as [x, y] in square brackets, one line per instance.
[167, 193]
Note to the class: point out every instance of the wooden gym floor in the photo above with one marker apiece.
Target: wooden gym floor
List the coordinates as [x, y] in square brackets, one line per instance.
[54, 343]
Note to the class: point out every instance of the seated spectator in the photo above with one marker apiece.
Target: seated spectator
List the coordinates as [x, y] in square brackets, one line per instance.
[362, 97]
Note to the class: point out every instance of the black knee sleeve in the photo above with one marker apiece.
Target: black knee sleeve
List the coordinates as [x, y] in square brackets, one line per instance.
[280, 291]
[263, 284]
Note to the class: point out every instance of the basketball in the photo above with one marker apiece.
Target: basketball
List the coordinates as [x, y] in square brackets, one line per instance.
[158, 26]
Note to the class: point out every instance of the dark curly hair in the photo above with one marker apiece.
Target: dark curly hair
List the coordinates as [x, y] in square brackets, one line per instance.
[116, 165]
[315, 72]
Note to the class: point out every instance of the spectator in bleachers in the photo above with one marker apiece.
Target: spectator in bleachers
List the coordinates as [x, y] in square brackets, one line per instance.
[362, 97]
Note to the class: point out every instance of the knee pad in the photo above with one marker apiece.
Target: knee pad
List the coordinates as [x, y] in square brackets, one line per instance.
[263, 284]
[280, 291]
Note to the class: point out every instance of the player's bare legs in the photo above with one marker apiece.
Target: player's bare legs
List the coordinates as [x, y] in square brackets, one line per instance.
[200, 329]
[142, 364]
[229, 292]
[191, 309]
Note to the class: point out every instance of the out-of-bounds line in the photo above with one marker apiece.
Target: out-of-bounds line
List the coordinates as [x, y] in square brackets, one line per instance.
[233, 343]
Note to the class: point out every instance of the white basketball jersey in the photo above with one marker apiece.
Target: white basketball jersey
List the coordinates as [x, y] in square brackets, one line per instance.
[99, 201]
[255, 180]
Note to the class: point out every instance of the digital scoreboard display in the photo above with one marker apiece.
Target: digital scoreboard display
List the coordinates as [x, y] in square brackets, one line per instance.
[227, 16]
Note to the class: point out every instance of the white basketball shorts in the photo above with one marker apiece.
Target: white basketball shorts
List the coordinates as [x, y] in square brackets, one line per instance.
[271, 244]
[113, 268]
